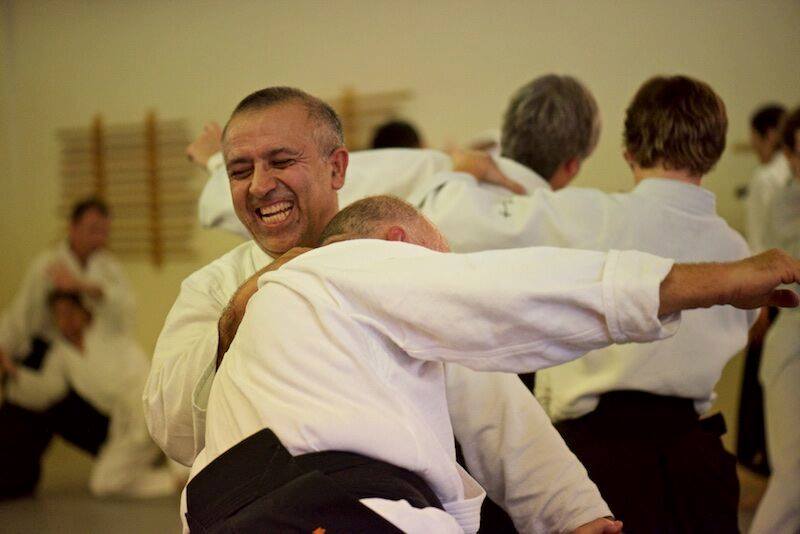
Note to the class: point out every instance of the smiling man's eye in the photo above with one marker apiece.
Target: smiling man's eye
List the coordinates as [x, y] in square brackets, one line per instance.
[238, 174]
[282, 163]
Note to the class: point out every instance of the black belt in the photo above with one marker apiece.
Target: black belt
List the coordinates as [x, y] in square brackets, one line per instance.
[258, 486]
[643, 411]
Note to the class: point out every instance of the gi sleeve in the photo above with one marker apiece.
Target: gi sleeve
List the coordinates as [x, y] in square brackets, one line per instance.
[516, 454]
[505, 310]
[177, 389]
[39, 389]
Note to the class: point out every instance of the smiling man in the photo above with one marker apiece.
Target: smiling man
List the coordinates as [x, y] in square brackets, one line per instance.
[284, 152]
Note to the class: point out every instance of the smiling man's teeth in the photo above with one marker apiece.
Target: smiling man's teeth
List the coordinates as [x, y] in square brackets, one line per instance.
[276, 212]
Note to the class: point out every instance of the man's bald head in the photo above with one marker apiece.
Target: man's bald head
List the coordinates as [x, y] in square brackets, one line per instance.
[384, 217]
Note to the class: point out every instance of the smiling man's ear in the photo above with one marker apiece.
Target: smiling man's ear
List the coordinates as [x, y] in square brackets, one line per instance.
[338, 160]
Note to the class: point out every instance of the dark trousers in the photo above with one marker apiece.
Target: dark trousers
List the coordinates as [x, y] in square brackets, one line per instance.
[659, 468]
[258, 486]
[25, 435]
[751, 442]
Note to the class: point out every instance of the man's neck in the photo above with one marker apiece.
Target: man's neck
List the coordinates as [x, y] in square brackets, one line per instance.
[640, 174]
[83, 259]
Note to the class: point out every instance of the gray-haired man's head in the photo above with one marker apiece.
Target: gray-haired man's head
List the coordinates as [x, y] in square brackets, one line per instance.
[552, 124]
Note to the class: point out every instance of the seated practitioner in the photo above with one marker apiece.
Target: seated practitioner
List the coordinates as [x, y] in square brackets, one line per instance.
[396, 134]
[107, 369]
[81, 264]
[674, 134]
[550, 127]
[779, 509]
[508, 444]
[345, 426]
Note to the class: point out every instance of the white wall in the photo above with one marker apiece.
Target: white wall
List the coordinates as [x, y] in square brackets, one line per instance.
[63, 61]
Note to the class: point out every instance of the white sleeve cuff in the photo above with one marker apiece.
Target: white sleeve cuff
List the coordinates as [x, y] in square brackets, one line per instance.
[631, 286]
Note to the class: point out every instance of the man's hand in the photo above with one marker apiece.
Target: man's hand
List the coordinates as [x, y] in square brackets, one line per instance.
[601, 525]
[205, 145]
[234, 311]
[62, 278]
[484, 169]
[7, 366]
[747, 284]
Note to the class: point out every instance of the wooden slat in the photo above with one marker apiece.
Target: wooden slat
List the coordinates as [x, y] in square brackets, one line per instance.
[151, 134]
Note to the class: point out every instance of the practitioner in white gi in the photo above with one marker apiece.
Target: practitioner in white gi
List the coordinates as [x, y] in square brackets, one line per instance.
[779, 510]
[675, 131]
[286, 167]
[336, 369]
[105, 367]
[79, 264]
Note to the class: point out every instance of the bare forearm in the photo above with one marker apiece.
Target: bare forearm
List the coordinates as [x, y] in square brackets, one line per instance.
[747, 284]
[689, 286]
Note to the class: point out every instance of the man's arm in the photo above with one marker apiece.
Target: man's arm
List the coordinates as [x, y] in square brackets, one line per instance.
[516, 454]
[526, 309]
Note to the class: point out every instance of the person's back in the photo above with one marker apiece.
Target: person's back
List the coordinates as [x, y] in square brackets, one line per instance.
[652, 394]
[670, 219]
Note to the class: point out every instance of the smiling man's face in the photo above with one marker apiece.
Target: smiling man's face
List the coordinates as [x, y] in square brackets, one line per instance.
[283, 185]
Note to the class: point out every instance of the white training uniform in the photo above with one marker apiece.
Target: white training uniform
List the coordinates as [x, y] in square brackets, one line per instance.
[109, 373]
[342, 349]
[29, 315]
[508, 443]
[767, 180]
[779, 509]
[660, 216]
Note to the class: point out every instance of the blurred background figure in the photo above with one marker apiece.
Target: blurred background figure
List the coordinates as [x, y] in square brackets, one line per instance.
[770, 176]
[396, 134]
[45, 392]
[779, 510]
[93, 360]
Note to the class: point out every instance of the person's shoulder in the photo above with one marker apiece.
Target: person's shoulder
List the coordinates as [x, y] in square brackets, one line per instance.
[234, 265]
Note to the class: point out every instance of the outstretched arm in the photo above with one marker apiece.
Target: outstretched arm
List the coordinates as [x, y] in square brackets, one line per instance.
[747, 284]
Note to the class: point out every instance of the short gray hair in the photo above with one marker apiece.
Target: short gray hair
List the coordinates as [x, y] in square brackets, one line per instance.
[549, 121]
[323, 114]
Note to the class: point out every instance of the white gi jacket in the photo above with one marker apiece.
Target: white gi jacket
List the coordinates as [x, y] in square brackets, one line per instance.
[29, 315]
[779, 509]
[767, 180]
[660, 216]
[342, 349]
[109, 374]
[508, 442]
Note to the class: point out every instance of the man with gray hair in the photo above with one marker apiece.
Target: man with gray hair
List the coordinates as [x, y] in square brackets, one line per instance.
[551, 125]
